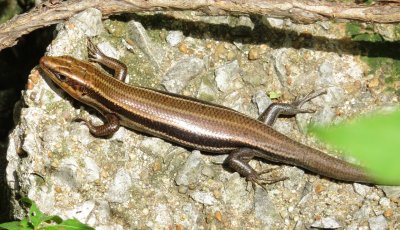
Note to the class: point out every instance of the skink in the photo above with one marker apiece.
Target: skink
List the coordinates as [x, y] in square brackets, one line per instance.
[190, 122]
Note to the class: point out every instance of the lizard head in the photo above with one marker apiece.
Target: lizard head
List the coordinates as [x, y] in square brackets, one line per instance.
[70, 74]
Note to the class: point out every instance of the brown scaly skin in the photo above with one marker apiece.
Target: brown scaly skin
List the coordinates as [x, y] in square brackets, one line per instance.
[190, 122]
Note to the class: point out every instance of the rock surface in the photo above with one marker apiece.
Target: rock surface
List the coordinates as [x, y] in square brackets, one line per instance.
[133, 181]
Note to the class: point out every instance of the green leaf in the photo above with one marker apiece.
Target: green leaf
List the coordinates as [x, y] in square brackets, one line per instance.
[35, 215]
[71, 224]
[26, 201]
[274, 94]
[55, 219]
[374, 140]
[39, 220]
[20, 225]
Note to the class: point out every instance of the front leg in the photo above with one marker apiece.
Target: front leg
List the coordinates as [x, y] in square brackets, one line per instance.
[238, 160]
[96, 55]
[110, 126]
[275, 109]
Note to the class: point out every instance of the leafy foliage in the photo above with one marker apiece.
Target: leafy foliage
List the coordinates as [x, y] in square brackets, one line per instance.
[39, 221]
[381, 56]
[374, 140]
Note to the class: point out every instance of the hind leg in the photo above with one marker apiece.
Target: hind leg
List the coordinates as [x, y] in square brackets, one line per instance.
[275, 109]
[238, 160]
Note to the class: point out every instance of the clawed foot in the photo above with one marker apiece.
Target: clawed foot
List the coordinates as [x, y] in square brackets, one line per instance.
[299, 102]
[94, 52]
[83, 120]
[276, 109]
[110, 126]
[256, 179]
[79, 119]
[96, 55]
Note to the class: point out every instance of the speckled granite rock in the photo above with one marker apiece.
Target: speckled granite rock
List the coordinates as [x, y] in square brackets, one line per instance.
[132, 181]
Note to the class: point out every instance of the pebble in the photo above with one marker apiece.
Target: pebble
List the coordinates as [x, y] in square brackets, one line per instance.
[183, 47]
[82, 212]
[218, 216]
[388, 213]
[265, 209]
[326, 223]
[273, 22]
[188, 174]
[179, 75]
[89, 21]
[254, 53]
[174, 37]
[103, 211]
[118, 190]
[67, 173]
[207, 90]
[220, 51]
[109, 50]
[385, 202]
[361, 189]
[326, 69]
[153, 145]
[373, 83]
[183, 189]
[225, 75]
[235, 190]
[92, 170]
[362, 213]
[208, 171]
[203, 197]
[378, 223]
[262, 101]
[153, 51]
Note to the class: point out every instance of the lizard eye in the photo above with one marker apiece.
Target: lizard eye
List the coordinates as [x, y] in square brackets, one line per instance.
[61, 77]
